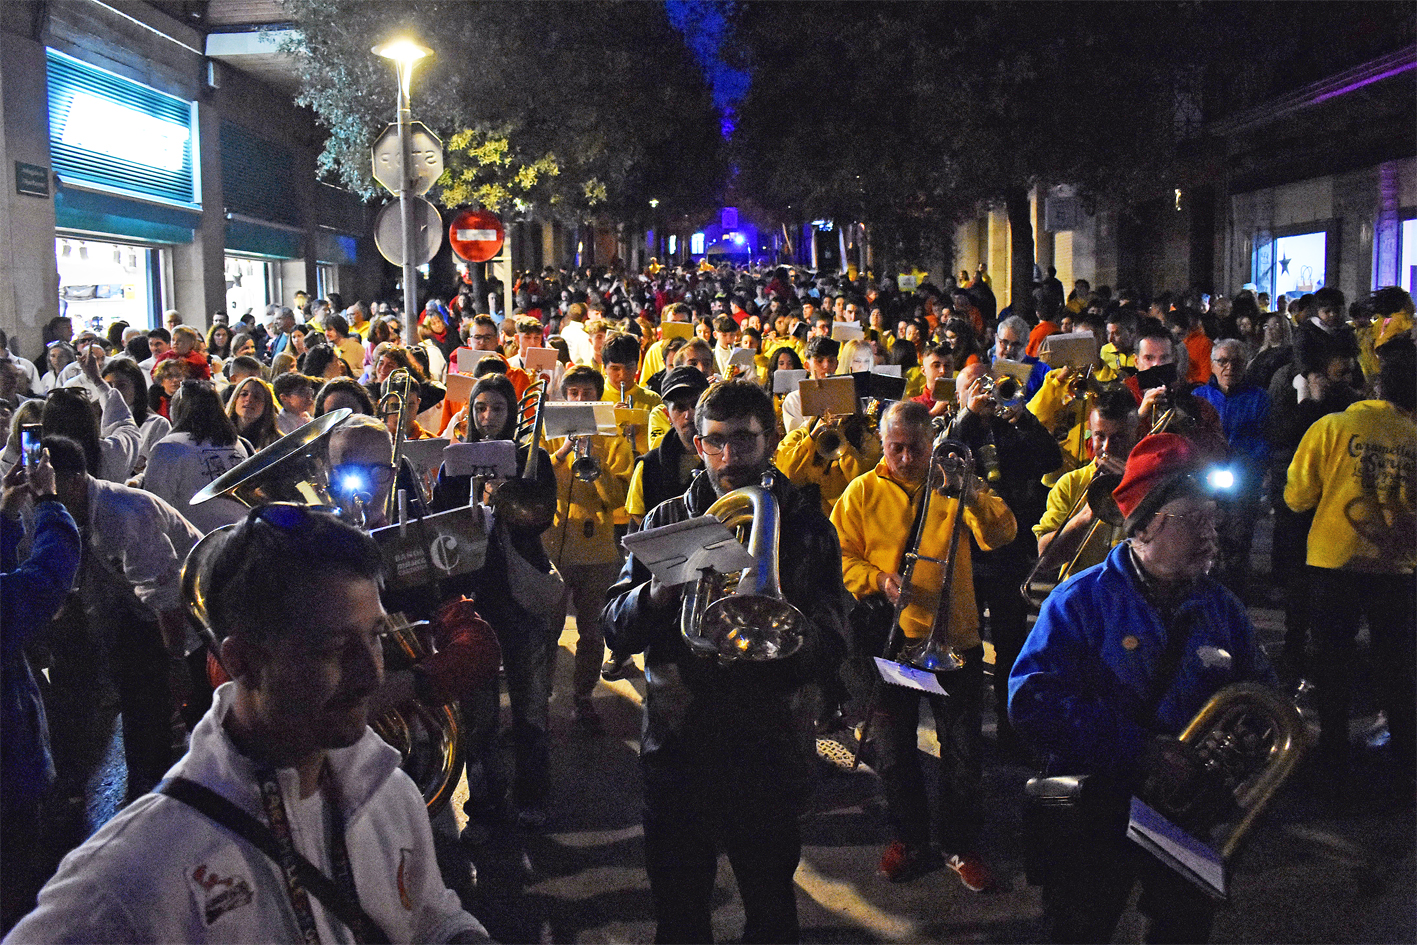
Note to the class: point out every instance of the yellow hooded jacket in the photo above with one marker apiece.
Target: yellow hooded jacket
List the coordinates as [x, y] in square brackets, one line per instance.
[873, 519]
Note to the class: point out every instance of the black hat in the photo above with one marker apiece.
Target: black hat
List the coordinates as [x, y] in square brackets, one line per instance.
[681, 381]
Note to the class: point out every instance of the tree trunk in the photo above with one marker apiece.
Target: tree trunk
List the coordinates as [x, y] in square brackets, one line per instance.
[1020, 244]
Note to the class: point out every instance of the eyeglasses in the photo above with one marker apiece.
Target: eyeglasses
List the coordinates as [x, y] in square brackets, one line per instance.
[1195, 519]
[484, 336]
[1229, 362]
[715, 443]
[359, 477]
[1007, 345]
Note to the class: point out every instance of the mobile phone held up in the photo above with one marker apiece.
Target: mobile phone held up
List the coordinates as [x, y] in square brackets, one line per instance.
[30, 445]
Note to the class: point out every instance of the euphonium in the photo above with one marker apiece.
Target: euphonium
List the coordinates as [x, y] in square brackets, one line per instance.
[1251, 737]
[755, 622]
[296, 468]
[933, 651]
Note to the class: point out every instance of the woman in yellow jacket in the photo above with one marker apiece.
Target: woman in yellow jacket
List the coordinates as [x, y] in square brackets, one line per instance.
[582, 540]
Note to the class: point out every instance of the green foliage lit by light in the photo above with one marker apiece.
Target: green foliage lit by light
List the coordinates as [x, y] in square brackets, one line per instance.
[482, 168]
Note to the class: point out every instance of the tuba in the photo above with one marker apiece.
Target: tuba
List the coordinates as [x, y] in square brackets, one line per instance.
[754, 622]
[296, 468]
[1252, 738]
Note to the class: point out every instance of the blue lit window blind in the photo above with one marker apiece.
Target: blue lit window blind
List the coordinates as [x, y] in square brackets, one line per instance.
[120, 134]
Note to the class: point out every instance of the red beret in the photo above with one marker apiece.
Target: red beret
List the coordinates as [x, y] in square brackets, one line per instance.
[1153, 461]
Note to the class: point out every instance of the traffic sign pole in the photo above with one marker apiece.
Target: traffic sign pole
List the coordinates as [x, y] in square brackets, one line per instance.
[410, 271]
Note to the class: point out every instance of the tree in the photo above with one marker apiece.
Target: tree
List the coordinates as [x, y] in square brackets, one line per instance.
[567, 109]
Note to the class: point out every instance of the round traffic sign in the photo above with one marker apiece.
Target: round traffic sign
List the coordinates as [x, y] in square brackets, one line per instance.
[427, 232]
[476, 235]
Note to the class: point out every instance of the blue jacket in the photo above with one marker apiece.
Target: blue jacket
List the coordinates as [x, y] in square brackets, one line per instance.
[30, 595]
[1244, 415]
[1079, 688]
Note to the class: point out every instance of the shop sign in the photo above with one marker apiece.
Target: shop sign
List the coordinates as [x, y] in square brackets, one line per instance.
[31, 179]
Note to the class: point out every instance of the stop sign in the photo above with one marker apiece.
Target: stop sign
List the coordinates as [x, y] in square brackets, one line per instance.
[476, 235]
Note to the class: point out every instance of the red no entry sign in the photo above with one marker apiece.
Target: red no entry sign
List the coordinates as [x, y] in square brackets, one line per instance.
[476, 235]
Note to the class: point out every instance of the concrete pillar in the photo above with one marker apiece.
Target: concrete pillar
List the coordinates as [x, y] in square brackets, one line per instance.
[29, 291]
[999, 255]
[198, 268]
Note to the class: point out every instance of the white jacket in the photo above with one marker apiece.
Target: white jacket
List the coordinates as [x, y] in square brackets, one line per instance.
[162, 872]
[180, 466]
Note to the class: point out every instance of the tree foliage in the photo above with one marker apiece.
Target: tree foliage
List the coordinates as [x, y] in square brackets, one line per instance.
[566, 108]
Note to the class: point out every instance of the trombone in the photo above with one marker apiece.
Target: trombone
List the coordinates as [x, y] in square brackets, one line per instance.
[1099, 500]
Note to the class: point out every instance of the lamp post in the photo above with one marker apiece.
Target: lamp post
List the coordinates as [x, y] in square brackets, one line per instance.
[405, 54]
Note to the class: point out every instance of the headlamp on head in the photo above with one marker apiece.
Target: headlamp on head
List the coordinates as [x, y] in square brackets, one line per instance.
[349, 482]
[1220, 479]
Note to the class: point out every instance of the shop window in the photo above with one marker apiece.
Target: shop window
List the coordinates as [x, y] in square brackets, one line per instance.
[1292, 265]
[248, 286]
[101, 283]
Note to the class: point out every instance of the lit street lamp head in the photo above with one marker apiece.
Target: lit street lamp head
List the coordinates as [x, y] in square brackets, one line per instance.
[405, 53]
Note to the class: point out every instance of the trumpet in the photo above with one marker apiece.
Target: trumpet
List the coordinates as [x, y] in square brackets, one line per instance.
[1007, 392]
[586, 467]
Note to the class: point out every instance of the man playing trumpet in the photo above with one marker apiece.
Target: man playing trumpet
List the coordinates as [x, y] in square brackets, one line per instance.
[873, 520]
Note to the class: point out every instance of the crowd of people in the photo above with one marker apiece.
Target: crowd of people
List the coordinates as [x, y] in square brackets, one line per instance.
[1166, 429]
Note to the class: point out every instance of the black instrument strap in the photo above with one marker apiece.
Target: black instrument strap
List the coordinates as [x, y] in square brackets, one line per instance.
[307, 876]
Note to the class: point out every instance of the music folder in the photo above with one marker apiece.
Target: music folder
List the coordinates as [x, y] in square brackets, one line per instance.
[902, 674]
[444, 545]
[1190, 858]
[879, 386]
[786, 380]
[831, 395]
[677, 552]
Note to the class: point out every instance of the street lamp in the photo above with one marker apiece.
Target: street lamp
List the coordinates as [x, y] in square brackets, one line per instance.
[405, 54]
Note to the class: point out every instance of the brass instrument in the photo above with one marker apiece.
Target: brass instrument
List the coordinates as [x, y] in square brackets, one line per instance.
[754, 622]
[1007, 392]
[585, 467]
[932, 651]
[396, 389]
[1252, 738]
[296, 468]
[519, 502]
[1098, 498]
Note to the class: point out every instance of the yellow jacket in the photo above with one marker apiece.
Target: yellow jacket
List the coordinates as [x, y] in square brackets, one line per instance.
[873, 519]
[582, 506]
[797, 458]
[653, 361]
[1070, 487]
[1112, 363]
[1051, 405]
[1358, 471]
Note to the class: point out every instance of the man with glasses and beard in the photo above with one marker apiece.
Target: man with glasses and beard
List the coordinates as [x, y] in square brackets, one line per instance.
[727, 747]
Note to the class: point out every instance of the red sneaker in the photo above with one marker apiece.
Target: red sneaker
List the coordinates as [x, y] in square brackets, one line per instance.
[972, 872]
[901, 863]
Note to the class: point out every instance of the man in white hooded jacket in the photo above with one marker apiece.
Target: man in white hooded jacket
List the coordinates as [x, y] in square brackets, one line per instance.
[288, 744]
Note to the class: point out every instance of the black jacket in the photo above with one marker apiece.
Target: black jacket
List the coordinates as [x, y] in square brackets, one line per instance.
[747, 719]
[660, 476]
[1027, 452]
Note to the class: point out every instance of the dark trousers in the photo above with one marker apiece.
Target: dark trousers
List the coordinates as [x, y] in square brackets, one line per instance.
[1341, 598]
[1084, 898]
[998, 590]
[1289, 573]
[526, 661]
[957, 722]
[688, 820]
[1235, 535]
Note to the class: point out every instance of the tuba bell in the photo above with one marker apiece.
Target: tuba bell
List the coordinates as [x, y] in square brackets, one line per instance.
[296, 468]
[754, 622]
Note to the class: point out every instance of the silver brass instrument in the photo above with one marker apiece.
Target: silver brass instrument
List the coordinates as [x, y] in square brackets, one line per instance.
[1007, 392]
[1252, 737]
[755, 622]
[394, 400]
[585, 467]
[518, 501]
[933, 651]
[296, 468]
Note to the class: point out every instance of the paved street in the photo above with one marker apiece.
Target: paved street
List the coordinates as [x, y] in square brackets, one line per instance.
[1308, 875]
